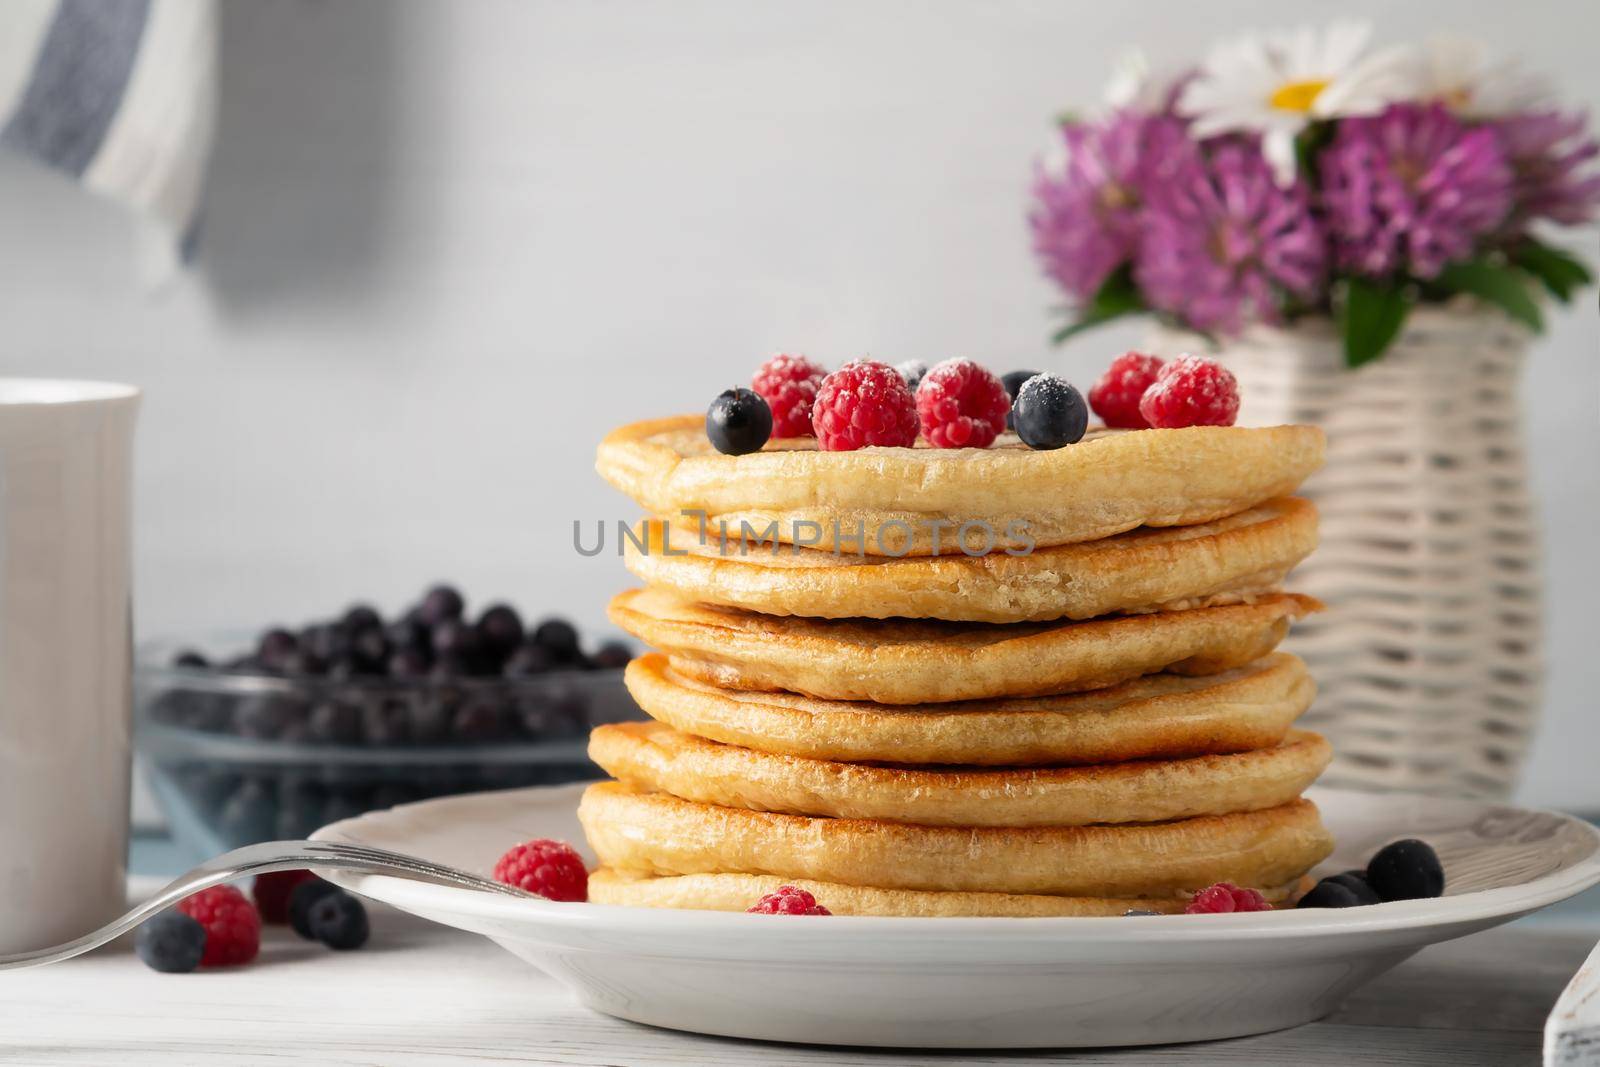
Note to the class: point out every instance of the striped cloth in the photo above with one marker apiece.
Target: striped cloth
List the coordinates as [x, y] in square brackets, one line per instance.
[118, 94]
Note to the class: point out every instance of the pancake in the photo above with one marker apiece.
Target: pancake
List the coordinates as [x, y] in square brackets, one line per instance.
[890, 499]
[900, 661]
[659, 834]
[736, 892]
[1161, 715]
[1228, 560]
[652, 757]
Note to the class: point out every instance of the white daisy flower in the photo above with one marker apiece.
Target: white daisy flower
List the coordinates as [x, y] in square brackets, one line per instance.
[1276, 84]
[1458, 73]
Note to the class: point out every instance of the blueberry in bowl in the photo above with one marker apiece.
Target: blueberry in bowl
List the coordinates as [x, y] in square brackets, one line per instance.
[248, 738]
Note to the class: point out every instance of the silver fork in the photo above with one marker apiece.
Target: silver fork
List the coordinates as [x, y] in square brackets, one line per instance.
[261, 859]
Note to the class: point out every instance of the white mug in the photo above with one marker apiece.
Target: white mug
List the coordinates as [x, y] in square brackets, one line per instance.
[65, 652]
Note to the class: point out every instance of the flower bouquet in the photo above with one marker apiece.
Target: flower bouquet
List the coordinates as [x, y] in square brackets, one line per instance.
[1305, 173]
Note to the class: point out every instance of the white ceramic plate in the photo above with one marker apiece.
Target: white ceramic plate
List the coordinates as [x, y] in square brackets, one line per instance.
[983, 983]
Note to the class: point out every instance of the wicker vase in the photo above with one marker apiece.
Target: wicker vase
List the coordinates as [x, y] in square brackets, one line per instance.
[1428, 658]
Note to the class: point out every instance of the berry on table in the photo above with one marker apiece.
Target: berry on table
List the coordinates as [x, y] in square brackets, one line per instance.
[1013, 380]
[1226, 897]
[338, 920]
[1115, 397]
[232, 925]
[500, 627]
[788, 900]
[863, 404]
[1050, 413]
[559, 638]
[789, 386]
[440, 603]
[271, 893]
[301, 898]
[550, 869]
[913, 371]
[1406, 870]
[738, 422]
[1191, 391]
[961, 405]
[172, 942]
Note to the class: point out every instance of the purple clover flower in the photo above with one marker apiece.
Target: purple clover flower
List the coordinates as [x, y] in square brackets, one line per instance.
[1412, 188]
[1085, 220]
[1549, 154]
[1223, 241]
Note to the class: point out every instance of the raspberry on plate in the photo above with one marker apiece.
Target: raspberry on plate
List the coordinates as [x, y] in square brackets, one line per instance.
[961, 405]
[862, 404]
[1115, 397]
[789, 386]
[271, 893]
[233, 926]
[551, 869]
[788, 900]
[1225, 897]
[1191, 391]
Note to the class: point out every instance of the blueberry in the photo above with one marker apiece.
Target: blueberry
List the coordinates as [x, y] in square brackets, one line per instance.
[440, 603]
[409, 633]
[326, 641]
[190, 658]
[301, 898]
[171, 943]
[913, 371]
[559, 638]
[409, 663]
[1013, 381]
[611, 656]
[334, 723]
[1406, 870]
[265, 717]
[456, 637]
[275, 646]
[528, 661]
[501, 628]
[1356, 882]
[338, 920]
[479, 719]
[386, 722]
[1049, 413]
[450, 666]
[1331, 893]
[370, 650]
[302, 663]
[738, 422]
[361, 617]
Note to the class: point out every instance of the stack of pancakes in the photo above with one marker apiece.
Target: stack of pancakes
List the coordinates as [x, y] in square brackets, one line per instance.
[1075, 708]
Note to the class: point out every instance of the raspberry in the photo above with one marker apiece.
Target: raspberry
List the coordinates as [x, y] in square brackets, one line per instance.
[271, 893]
[1115, 397]
[961, 405]
[788, 900]
[1191, 391]
[864, 403]
[233, 926]
[551, 869]
[1225, 897]
[789, 386]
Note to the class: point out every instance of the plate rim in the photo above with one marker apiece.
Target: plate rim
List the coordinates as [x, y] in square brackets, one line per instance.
[1501, 903]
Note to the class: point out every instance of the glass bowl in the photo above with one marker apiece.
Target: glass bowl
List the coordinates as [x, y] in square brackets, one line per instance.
[237, 758]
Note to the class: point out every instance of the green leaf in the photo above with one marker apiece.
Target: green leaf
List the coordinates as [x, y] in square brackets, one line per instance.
[1499, 284]
[1372, 317]
[1558, 271]
[1117, 296]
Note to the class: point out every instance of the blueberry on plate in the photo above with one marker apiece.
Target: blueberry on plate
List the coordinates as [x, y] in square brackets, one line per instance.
[1331, 893]
[172, 943]
[1356, 882]
[338, 920]
[1049, 413]
[1406, 870]
[1013, 381]
[301, 898]
[738, 422]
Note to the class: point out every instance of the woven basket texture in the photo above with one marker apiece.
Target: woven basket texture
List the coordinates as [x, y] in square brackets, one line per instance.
[1428, 659]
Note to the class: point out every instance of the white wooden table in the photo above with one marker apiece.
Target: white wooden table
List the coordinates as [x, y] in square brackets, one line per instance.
[423, 994]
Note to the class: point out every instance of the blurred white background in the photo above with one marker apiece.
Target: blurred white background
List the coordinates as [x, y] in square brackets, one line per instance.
[449, 245]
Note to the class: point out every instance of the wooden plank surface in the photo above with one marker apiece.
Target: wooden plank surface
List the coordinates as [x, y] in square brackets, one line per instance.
[426, 995]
